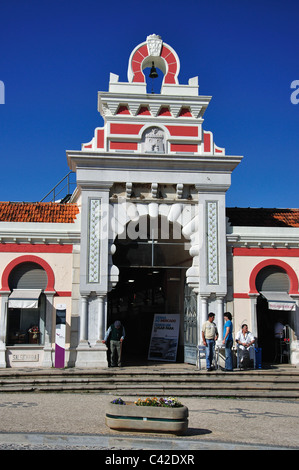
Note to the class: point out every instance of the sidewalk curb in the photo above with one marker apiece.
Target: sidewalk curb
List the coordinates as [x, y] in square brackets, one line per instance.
[49, 441]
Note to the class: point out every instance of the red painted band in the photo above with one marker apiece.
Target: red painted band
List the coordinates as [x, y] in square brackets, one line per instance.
[286, 252]
[29, 248]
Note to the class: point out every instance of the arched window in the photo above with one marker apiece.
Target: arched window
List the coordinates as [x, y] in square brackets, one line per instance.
[276, 263]
[28, 276]
[272, 279]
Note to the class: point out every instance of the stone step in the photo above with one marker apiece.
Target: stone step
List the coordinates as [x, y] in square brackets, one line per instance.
[120, 374]
[183, 382]
[222, 381]
[142, 382]
[156, 391]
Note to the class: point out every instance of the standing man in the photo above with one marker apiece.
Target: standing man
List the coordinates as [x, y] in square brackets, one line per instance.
[209, 337]
[228, 341]
[116, 332]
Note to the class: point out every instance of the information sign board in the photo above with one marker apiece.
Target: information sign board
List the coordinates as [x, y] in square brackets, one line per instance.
[164, 338]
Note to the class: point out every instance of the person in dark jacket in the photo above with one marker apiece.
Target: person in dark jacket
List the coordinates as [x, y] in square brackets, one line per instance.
[116, 334]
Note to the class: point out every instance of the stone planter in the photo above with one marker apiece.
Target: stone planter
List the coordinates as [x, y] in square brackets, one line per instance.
[147, 418]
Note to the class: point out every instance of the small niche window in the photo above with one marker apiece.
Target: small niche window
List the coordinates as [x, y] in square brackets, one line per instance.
[153, 140]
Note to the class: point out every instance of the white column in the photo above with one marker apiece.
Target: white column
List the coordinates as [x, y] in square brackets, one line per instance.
[203, 314]
[47, 359]
[253, 314]
[102, 322]
[219, 318]
[83, 319]
[3, 323]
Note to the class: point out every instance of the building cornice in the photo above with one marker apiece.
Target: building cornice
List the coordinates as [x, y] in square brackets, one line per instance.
[151, 162]
[263, 237]
[108, 103]
[39, 233]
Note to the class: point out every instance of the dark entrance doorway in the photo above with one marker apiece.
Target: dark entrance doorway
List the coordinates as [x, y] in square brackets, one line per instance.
[274, 333]
[152, 274]
[275, 347]
[138, 296]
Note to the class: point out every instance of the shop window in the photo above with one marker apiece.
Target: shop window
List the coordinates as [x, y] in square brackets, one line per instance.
[26, 305]
[26, 326]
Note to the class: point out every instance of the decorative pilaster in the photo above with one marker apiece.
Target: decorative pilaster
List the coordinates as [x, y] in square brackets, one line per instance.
[212, 242]
[94, 241]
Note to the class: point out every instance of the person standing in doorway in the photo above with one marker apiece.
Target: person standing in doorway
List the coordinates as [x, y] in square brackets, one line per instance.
[209, 338]
[116, 334]
[228, 341]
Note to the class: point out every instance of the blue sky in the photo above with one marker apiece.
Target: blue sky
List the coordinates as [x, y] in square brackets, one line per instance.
[56, 55]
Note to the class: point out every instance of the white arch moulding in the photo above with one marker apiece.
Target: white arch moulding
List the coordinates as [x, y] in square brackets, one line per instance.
[185, 215]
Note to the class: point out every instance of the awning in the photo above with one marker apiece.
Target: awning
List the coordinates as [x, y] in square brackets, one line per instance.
[24, 298]
[279, 301]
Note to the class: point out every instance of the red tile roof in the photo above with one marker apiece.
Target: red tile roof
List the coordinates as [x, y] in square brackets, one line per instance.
[50, 212]
[53, 212]
[260, 217]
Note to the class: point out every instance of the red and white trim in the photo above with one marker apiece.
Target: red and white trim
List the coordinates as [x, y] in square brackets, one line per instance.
[140, 58]
[25, 259]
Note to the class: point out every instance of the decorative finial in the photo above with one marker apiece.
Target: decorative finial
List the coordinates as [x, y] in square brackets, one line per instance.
[154, 45]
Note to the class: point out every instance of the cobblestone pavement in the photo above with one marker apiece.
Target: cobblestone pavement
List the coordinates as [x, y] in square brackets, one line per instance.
[42, 421]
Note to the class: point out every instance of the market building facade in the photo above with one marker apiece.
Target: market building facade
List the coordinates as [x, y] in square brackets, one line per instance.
[146, 232]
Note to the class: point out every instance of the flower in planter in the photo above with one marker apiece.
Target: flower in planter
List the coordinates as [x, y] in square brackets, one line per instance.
[147, 402]
[169, 402]
[118, 401]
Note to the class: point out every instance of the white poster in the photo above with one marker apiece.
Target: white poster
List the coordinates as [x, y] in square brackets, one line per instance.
[165, 336]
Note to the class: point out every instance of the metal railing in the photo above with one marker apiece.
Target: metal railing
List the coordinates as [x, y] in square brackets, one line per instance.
[63, 190]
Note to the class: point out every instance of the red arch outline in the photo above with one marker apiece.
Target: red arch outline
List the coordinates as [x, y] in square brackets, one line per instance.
[274, 262]
[142, 52]
[25, 259]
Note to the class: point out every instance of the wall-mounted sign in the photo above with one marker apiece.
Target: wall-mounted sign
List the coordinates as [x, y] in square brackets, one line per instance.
[60, 336]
